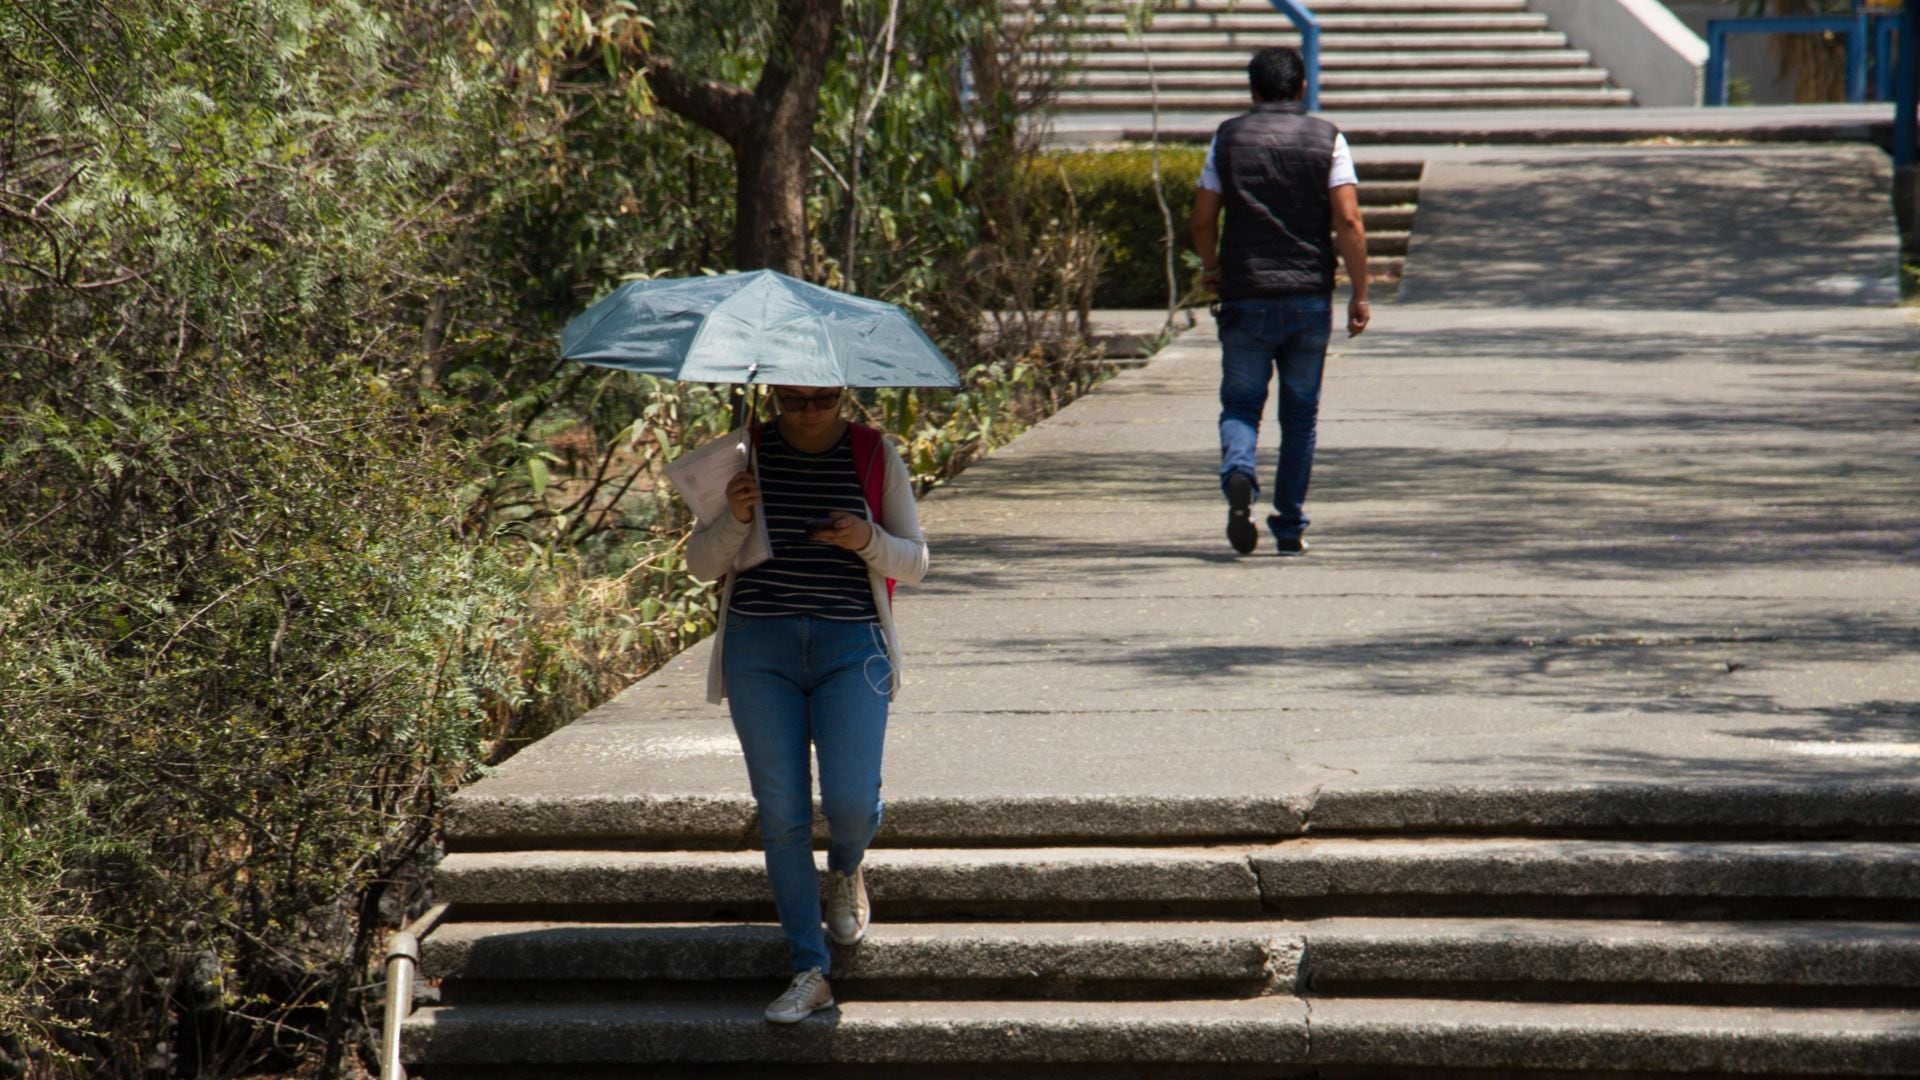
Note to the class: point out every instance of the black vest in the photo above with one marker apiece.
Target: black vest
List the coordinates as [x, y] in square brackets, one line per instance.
[1273, 164]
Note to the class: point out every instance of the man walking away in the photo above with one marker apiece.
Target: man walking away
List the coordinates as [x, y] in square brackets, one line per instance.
[1287, 183]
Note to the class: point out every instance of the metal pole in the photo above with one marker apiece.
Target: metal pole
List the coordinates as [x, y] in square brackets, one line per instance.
[1303, 20]
[402, 957]
[1906, 84]
[1857, 59]
[1715, 92]
[403, 960]
[1310, 52]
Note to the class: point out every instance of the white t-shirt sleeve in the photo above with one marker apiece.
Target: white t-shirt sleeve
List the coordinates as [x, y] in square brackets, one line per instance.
[1209, 172]
[1342, 172]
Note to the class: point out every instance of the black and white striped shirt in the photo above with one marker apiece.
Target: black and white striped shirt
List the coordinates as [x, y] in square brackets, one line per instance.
[806, 577]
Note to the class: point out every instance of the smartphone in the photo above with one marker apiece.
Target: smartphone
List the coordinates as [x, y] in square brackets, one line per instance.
[822, 525]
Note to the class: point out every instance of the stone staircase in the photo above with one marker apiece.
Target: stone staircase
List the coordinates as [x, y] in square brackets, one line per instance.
[1374, 55]
[1630, 933]
[1389, 195]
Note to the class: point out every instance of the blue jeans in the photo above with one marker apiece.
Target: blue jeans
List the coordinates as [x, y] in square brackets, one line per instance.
[796, 683]
[1287, 333]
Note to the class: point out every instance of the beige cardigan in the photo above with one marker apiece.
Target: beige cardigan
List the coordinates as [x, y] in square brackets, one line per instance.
[897, 550]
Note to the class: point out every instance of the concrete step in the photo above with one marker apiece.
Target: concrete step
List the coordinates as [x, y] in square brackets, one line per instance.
[498, 817]
[1214, 41]
[1230, 101]
[1249, 1032]
[1319, 7]
[1784, 962]
[914, 882]
[1376, 170]
[1385, 242]
[1386, 269]
[1387, 219]
[1611, 1040]
[1251, 19]
[1166, 959]
[1802, 963]
[1832, 879]
[1143, 1038]
[1139, 80]
[1336, 62]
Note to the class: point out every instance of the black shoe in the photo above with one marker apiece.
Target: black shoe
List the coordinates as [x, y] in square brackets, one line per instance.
[1240, 531]
[1286, 545]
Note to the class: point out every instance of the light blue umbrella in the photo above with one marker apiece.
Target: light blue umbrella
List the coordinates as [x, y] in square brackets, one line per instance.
[759, 328]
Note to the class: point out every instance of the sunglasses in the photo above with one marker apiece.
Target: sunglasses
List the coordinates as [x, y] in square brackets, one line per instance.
[822, 400]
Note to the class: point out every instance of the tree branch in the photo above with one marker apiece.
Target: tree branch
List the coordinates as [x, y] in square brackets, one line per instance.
[720, 107]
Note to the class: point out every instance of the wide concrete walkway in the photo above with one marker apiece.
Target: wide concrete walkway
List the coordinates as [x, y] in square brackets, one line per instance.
[1592, 512]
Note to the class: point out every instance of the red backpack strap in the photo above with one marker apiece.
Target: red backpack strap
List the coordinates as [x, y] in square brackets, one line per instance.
[870, 469]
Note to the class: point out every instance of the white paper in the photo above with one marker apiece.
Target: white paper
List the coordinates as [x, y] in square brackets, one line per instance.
[701, 477]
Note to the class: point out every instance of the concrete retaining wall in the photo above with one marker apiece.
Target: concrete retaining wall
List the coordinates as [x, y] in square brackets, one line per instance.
[1645, 46]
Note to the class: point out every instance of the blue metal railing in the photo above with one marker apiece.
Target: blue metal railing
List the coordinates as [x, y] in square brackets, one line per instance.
[1868, 34]
[1885, 31]
[1854, 26]
[1906, 93]
[1309, 27]
[1892, 38]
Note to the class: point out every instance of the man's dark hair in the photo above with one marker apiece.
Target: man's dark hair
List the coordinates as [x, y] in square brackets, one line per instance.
[1276, 74]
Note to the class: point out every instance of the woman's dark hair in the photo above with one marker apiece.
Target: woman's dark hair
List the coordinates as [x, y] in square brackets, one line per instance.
[1276, 74]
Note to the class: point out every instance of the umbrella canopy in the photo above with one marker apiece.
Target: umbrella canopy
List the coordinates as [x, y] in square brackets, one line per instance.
[760, 327]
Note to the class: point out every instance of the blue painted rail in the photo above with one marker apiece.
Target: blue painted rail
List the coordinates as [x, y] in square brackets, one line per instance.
[1906, 91]
[1302, 18]
[1893, 38]
[1867, 33]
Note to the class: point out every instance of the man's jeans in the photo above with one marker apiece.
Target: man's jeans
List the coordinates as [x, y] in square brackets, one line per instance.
[793, 683]
[1287, 333]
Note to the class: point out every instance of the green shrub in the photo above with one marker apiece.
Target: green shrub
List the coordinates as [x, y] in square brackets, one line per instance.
[304, 523]
[1111, 191]
[236, 682]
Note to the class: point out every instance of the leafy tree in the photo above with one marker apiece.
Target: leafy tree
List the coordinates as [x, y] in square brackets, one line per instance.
[768, 127]
[246, 644]
[305, 524]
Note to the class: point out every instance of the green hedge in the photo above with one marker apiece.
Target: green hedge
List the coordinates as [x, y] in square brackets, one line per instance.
[1112, 192]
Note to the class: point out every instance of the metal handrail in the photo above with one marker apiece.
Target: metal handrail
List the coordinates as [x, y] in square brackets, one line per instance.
[1865, 31]
[403, 961]
[1906, 91]
[1303, 20]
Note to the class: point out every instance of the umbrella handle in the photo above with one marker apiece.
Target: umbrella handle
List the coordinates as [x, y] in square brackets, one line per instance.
[742, 405]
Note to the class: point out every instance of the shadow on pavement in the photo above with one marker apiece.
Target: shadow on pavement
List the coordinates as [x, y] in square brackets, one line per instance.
[1710, 229]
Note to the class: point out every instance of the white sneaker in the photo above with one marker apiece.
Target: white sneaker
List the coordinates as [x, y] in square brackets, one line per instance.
[847, 909]
[806, 995]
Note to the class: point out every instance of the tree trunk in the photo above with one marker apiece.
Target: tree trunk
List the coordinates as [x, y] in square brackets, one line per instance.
[774, 161]
[770, 130]
[770, 200]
